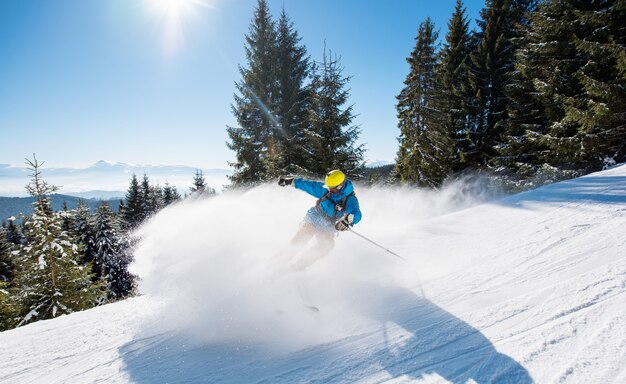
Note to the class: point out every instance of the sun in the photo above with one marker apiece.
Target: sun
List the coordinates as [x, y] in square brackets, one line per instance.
[172, 8]
[171, 15]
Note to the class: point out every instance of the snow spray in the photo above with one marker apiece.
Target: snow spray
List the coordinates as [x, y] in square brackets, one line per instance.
[212, 263]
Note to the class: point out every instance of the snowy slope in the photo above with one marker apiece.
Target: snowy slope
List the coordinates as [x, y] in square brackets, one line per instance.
[530, 288]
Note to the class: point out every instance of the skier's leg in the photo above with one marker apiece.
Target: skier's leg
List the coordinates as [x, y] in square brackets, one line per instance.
[325, 243]
[284, 258]
[304, 234]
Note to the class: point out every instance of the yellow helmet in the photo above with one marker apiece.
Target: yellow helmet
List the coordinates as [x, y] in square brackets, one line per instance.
[334, 178]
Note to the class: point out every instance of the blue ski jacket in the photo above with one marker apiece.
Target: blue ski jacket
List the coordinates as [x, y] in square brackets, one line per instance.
[329, 205]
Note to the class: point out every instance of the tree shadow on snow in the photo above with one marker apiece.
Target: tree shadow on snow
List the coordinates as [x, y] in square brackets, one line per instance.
[433, 342]
[439, 343]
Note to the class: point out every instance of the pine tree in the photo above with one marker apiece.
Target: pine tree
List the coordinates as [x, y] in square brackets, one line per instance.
[153, 197]
[133, 209]
[600, 111]
[199, 183]
[255, 141]
[51, 279]
[170, 194]
[7, 265]
[453, 91]
[67, 222]
[13, 232]
[199, 187]
[426, 146]
[9, 308]
[111, 258]
[330, 137]
[572, 64]
[291, 96]
[82, 229]
[146, 197]
[517, 156]
[501, 24]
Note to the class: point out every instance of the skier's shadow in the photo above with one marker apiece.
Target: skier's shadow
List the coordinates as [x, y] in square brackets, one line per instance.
[433, 341]
[437, 342]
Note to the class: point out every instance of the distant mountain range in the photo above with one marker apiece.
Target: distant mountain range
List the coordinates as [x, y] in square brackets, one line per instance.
[106, 179]
[379, 163]
[17, 206]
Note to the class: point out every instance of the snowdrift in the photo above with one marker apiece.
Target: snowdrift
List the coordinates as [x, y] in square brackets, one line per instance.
[529, 288]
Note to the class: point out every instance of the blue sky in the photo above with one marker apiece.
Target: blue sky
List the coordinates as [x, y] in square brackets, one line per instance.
[142, 82]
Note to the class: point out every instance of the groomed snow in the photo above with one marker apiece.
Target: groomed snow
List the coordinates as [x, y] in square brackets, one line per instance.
[530, 288]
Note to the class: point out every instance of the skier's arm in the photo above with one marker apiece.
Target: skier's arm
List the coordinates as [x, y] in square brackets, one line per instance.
[352, 208]
[314, 188]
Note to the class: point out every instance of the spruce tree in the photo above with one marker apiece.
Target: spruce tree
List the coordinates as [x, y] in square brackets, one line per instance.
[170, 194]
[501, 24]
[67, 222]
[255, 140]
[291, 96]
[153, 197]
[14, 234]
[600, 111]
[453, 91]
[518, 158]
[199, 183]
[146, 197]
[331, 139]
[426, 147]
[82, 230]
[9, 308]
[7, 265]
[51, 279]
[199, 187]
[133, 209]
[573, 65]
[111, 257]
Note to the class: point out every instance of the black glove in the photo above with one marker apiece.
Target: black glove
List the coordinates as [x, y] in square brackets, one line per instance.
[344, 223]
[284, 181]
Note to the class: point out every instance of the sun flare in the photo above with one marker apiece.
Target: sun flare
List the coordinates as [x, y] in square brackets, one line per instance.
[172, 8]
[171, 15]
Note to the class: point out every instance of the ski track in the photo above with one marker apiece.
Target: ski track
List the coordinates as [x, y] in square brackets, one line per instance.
[531, 288]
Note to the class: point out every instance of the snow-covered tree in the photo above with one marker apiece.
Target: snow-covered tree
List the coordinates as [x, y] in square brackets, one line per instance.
[51, 278]
[112, 257]
[82, 229]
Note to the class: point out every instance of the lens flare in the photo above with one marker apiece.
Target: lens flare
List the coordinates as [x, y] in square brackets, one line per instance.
[171, 15]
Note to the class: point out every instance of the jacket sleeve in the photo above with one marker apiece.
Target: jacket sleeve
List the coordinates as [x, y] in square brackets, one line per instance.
[314, 188]
[352, 207]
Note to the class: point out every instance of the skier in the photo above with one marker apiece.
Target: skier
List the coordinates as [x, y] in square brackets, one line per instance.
[337, 209]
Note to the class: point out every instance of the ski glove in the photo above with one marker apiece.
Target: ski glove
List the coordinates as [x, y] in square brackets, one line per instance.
[344, 223]
[283, 181]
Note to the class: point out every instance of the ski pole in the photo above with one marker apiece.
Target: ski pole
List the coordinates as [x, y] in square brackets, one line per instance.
[376, 244]
[419, 281]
